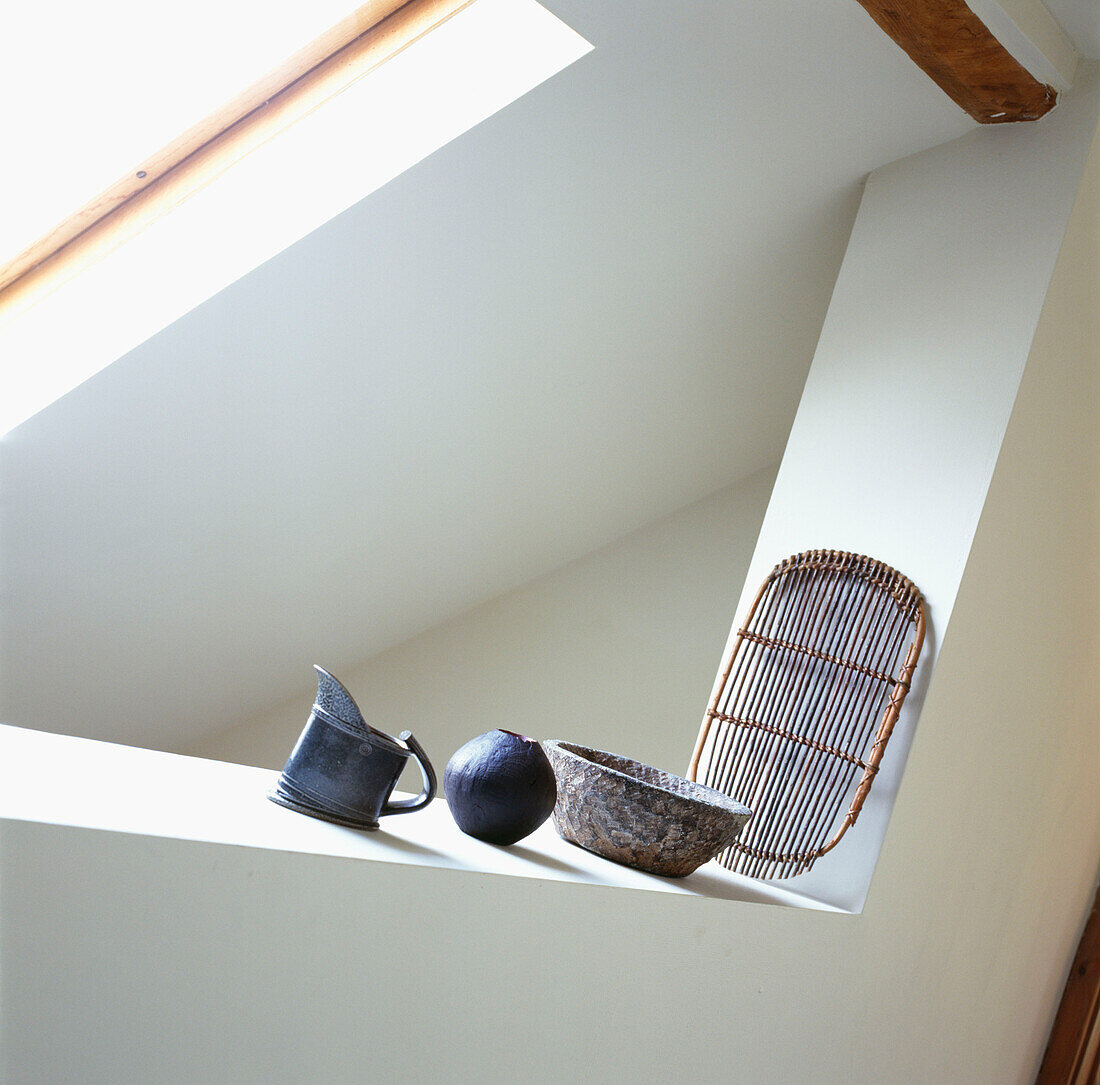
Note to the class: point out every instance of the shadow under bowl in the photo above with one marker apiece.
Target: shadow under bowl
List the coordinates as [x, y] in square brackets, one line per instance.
[637, 815]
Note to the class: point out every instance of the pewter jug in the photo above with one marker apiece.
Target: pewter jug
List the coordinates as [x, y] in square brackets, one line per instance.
[343, 770]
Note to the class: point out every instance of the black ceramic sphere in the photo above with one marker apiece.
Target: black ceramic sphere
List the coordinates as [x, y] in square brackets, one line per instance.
[499, 787]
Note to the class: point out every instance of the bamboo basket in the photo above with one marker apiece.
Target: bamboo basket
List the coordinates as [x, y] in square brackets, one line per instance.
[807, 699]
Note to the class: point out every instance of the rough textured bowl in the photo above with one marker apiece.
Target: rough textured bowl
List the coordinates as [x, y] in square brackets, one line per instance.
[638, 815]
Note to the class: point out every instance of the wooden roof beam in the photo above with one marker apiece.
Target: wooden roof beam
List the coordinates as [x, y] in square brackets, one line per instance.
[982, 71]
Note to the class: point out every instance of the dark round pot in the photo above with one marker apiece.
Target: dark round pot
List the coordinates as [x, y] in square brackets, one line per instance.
[499, 787]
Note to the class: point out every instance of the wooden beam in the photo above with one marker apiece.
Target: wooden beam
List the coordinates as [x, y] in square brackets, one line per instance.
[947, 41]
[1073, 1051]
[358, 44]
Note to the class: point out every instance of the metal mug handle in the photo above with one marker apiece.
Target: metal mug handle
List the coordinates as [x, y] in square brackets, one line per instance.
[427, 773]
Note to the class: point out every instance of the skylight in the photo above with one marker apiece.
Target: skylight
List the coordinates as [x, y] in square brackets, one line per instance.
[123, 81]
[480, 59]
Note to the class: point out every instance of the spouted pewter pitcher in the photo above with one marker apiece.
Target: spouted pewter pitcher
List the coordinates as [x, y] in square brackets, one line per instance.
[343, 770]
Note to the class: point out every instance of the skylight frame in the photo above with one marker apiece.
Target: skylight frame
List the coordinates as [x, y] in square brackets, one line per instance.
[358, 44]
[437, 67]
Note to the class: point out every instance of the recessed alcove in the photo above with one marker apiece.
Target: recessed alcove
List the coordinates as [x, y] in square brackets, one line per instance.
[878, 361]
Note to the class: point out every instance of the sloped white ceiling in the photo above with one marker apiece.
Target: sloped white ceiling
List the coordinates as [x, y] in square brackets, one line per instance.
[593, 309]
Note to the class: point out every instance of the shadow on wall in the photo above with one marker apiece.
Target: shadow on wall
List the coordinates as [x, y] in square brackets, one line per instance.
[617, 649]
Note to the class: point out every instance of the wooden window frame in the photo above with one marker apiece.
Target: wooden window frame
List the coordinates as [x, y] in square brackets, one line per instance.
[371, 35]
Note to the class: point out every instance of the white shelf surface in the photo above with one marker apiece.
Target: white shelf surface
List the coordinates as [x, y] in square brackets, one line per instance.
[61, 780]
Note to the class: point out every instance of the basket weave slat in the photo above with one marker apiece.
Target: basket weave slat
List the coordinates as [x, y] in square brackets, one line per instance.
[806, 702]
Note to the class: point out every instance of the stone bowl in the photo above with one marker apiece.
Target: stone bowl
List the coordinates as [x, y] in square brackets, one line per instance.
[638, 815]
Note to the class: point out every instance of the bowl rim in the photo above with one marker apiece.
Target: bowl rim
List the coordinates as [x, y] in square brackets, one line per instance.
[722, 800]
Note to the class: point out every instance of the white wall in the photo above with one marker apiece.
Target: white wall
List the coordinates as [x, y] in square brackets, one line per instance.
[914, 378]
[131, 958]
[616, 650]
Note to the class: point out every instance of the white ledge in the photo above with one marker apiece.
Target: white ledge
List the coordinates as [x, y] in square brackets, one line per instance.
[61, 780]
